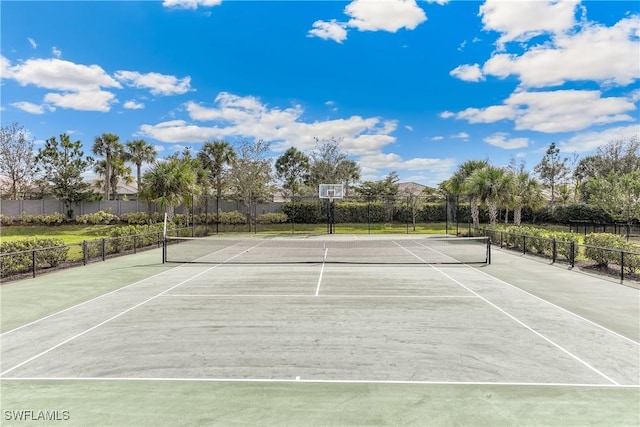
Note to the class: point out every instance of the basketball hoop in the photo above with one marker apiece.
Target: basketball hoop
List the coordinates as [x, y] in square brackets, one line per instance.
[331, 191]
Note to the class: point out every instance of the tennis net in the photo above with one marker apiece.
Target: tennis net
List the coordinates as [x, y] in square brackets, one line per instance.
[452, 250]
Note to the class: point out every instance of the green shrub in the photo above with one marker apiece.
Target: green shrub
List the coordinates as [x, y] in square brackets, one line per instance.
[233, 217]
[304, 212]
[97, 218]
[632, 259]
[6, 220]
[141, 218]
[597, 244]
[54, 254]
[272, 218]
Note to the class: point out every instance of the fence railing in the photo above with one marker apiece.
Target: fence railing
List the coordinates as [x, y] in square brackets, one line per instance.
[34, 261]
[611, 261]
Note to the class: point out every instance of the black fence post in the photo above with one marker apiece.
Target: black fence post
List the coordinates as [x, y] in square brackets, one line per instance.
[104, 249]
[554, 251]
[164, 250]
[501, 239]
[33, 263]
[621, 266]
[572, 254]
[524, 244]
[489, 250]
[85, 253]
[135, 243]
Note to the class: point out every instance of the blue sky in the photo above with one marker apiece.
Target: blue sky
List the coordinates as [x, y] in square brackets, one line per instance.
[415, 87]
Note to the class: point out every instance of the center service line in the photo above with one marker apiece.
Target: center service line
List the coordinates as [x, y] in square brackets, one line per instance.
[324, 260]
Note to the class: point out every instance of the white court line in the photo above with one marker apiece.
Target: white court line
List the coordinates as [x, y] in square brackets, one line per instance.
[550, 341]
[322, 381]
[324, 260]
[85, 302]
[90, 300]
[547, 302]
[558, 307]
[350, 296]
[115, 317]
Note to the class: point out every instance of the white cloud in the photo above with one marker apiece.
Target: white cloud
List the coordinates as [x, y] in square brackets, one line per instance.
[554, 111]
[329, 30]
[372, 15]
[58, 74]
[447, 114]
[32, 108]
[437, 138]
[522, 20]
[32, 42]
[468, 73]
[599, 53]
[190, 4]
[133, 105]
[159, 84]
[409, 128]
[96, 100]
[501, 140]
[246, 117]
[590, 141]
[460, 135]
[5, 68]
[432, 170]
[56, 52]
[387, 15]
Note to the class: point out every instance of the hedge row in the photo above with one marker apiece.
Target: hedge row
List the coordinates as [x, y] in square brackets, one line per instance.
[313, 212]
[52, 253]
[601, 248]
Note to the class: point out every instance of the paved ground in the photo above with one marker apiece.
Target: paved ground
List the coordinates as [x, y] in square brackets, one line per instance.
[514, 343]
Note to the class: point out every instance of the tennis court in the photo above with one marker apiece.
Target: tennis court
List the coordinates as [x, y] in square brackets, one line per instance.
[399, 322]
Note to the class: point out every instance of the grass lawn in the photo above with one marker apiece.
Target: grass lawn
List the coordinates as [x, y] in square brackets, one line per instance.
[69, 233]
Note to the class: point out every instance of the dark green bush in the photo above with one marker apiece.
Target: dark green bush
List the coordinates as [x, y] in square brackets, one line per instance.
[97, 218]
[272, 218]
[52, 252]
[597, 244]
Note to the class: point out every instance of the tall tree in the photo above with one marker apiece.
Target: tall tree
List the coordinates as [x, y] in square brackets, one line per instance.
[491, 185]
[138, 152]
[17, 159]
[107, 145]
[552, 170]
[619, 156]
[292, 167]
[526, 194]
[458, 185]
[63, 164]
[250, 175]
[348, 172]
[169, 183]
[216, 157]
[119, 172]
[324, 163]
[618, 195]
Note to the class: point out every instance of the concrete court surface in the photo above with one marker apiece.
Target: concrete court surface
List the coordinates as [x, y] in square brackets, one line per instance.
[339, 328]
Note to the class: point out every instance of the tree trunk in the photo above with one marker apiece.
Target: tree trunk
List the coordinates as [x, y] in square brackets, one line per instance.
[517, 215]
[493, 213]
[475, 212]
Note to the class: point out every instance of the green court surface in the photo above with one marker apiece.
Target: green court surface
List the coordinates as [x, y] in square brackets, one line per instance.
[134, 342]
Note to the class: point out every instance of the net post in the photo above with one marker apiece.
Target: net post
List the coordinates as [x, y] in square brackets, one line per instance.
[488, 250]
[164, 250]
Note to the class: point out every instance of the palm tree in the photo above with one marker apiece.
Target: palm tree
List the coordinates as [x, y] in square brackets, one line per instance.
[215, 157]
[119, 170]
[457, 184]
[107, 145]
[491, 185]
[349, 172]
[170, 183]
[138, 152]
[527, 193]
